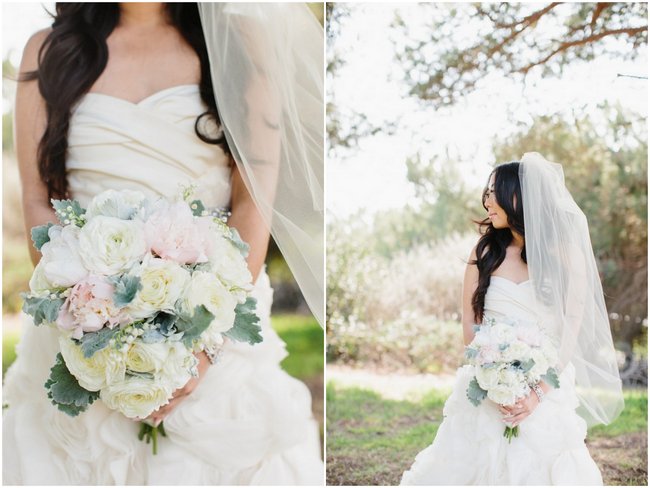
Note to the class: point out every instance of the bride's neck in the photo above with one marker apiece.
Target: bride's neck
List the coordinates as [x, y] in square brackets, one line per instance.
[517, 240]
[142, 14]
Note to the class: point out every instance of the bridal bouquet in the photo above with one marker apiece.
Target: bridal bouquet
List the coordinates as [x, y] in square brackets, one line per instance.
[508, 357]
[136, 287]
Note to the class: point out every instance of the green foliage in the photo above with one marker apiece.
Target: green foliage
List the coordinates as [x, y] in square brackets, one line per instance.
[475, 393]
[126, 287]
[9, 341]
[193, 326]
[69, 212]
[42, 309]
[197, 207]
[551, 378]
[16, 271]
[91, 342]
[65, 392]
[40, 235]
[237, 241]
[442, 64]
[246, 327]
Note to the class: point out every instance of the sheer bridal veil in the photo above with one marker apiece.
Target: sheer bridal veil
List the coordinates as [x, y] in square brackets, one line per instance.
[266, 62]
[568, 291]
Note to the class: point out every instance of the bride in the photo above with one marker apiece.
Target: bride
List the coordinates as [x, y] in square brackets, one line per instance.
[533, 263]
[156, 97]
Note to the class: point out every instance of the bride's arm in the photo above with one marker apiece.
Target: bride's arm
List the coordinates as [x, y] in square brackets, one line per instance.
[29, 125]
[248, 221]
[470, 282]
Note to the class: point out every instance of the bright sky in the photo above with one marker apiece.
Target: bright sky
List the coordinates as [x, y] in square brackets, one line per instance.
[374, 177]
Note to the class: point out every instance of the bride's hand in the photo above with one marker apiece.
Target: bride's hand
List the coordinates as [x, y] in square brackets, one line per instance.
[513, 415]
[182, 393]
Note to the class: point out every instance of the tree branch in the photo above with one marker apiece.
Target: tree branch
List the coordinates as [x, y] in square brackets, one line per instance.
[585, 40]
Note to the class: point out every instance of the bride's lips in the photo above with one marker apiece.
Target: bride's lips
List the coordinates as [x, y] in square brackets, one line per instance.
[490, 215]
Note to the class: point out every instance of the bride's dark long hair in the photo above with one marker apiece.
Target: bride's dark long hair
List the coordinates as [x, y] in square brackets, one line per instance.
[72, 58]
[492, 245]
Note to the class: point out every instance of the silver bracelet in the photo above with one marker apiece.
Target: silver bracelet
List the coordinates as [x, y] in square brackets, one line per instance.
[538, 391]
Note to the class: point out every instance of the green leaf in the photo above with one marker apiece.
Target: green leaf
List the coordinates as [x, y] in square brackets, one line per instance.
[526, 366]
[42, 309]
[40, 235]
[91, 342]
[70, 211]
[475, 393]
[197, 208]
[126, 287]
[65, 392]
[246, 327]
[192, 327]
[551, 378]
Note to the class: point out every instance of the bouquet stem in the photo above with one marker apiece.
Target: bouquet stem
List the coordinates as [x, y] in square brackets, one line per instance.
[149, 434]
[511, 432]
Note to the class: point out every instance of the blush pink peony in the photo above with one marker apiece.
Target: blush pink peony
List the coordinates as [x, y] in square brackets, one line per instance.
[89, 307]
[173, 233]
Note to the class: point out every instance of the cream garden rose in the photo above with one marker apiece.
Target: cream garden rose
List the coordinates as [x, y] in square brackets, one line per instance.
[110, 246]
[123, 204]
[146, 358]
[206, 289]
[103, 368]
[137, 397]
[161, 283]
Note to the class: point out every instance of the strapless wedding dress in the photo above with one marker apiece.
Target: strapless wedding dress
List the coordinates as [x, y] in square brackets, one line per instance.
[247, 422]
[469, 448]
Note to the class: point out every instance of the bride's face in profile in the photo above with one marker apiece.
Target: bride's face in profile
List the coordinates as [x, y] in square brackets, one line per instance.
[496, 214]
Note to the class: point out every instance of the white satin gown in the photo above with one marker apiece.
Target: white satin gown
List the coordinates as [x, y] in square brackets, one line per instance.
[247, 422]
[469, 448]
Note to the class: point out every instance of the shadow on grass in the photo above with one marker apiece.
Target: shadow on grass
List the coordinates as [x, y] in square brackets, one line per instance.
[372, 440]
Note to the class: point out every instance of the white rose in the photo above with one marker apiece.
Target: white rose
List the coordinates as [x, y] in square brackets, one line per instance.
[228, 263]
[517, 351]
[502, 394]
[541, 364]
[146, 358]
[38, 283]
[109, 245]
[180, 366]
[206, 289]
[487, 378]
[61, 261]
[162, 282]
[137, 397]
[96, 372]
[510, 377]
[123, 204]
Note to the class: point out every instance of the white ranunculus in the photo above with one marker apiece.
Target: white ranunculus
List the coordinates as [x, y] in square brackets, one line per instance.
[206, 289]
[162, 282]
[146, 358]
[102, 369]
[137, 397]
[61, 261]
[123, 204]
[109, 245]
[487, 377]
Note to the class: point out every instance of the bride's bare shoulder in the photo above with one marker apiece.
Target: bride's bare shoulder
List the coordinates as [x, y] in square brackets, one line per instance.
[32, 48]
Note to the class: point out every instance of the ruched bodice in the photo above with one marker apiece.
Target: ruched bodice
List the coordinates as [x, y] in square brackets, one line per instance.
[150, 146]
[507, 299]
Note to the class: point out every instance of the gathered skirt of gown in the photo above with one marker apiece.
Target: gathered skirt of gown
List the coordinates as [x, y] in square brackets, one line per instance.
[247, 422]
[469, 447]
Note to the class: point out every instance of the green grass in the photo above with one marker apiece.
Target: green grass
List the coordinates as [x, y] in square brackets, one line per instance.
[304, 338]
[634, 417]
[9, 341]
[372, 440]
